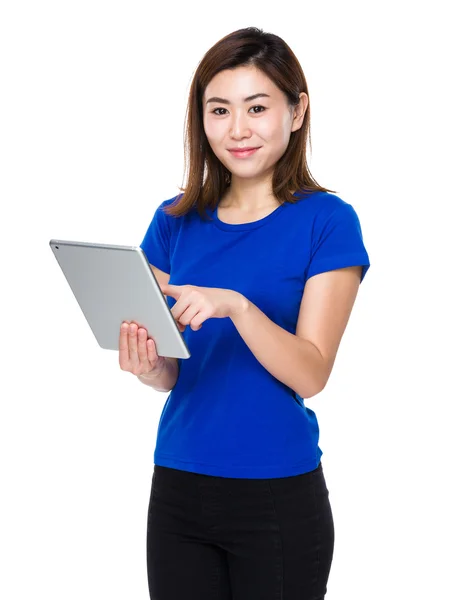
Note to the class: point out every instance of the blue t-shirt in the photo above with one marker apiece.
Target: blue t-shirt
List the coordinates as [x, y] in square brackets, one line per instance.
[227, 416]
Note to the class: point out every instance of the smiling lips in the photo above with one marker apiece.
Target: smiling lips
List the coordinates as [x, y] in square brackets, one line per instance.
[243, 153]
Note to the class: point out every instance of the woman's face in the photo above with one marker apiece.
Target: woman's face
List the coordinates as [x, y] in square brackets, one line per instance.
[230, 120]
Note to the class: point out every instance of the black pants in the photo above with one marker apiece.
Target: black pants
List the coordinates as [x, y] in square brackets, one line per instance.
[217, 538]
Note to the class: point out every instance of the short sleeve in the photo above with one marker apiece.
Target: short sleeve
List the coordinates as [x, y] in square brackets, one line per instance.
[338, 243]
[156, 243]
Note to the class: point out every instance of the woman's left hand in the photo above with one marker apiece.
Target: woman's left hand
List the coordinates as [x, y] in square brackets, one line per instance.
[195, 304]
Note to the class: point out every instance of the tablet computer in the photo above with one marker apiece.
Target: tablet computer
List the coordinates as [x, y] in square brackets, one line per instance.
[113, 284]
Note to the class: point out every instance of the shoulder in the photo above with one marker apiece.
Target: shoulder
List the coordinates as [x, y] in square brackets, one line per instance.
[325, 202]
[164, 217]
[170, 201]
[320, 208]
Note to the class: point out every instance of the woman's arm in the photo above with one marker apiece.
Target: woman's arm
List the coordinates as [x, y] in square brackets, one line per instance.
[303, 361]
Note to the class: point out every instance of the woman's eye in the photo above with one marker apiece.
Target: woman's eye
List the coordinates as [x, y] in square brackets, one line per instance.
[256, 113]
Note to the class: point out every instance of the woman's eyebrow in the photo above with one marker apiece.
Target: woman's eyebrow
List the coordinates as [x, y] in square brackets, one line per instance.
[248, 99]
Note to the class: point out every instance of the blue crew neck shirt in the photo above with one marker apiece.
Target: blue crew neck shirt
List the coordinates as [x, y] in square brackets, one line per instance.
[227, 416]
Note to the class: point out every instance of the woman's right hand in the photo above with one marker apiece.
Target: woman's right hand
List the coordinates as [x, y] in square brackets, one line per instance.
[137, 354]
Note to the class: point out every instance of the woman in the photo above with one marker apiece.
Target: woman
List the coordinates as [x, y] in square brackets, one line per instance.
[263, 265]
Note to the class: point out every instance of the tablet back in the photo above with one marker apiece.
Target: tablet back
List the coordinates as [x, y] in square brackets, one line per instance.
[113, 284]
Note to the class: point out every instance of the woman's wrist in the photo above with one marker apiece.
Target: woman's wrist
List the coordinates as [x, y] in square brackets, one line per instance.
[163, 378]
[156, 371]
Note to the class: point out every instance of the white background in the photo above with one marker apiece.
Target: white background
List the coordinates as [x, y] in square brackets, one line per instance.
[93, 99]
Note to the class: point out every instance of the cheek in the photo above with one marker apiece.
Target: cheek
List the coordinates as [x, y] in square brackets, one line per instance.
[213, 129]
[272, 129]
[277, 131]
[272, 139]
[207, 127]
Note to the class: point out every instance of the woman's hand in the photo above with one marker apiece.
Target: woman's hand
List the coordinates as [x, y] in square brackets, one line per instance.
[137, 354]
[195, 304]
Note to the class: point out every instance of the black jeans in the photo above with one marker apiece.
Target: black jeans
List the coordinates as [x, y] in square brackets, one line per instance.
[238, 539]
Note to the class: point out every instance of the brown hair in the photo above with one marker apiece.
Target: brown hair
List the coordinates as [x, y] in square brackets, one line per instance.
[269, 53]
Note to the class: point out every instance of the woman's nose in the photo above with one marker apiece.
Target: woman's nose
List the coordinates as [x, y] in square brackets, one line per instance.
[240, 126]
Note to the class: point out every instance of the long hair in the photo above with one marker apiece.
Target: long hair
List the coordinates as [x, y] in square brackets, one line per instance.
[208, 178]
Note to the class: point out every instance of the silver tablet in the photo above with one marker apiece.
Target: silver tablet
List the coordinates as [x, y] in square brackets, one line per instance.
[113, 284]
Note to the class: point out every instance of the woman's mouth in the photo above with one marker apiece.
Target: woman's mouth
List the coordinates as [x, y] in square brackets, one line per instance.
[243, 153]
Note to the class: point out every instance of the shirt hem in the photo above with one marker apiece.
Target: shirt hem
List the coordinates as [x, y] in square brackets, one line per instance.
[234, 471]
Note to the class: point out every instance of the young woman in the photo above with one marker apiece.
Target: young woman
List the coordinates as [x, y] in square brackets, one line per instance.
[263, 265]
